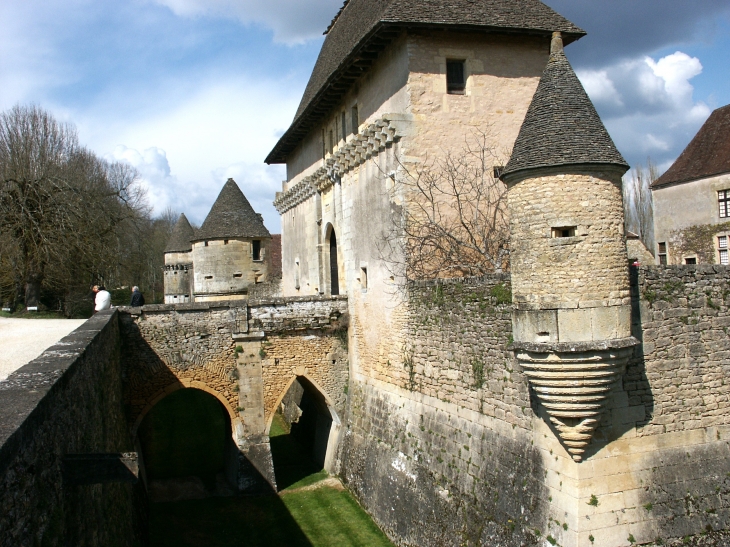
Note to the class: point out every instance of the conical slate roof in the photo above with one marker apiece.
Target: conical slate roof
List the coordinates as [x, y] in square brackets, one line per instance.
[363, 29]
[562, 126]
[182, 233]
[231, 216]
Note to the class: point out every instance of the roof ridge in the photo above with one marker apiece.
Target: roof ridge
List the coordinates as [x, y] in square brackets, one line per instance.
[334, 19]
[562, 126]
[706, 155]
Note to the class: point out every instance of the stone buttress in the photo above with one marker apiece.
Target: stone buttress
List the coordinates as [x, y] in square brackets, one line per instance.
[572, 310]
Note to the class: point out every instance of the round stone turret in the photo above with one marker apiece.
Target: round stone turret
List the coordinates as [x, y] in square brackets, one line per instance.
[570, 284]
[179, 263]
[231, 249]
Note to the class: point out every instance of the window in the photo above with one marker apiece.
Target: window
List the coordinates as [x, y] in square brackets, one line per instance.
[690, 260]
[455, 78]
[225, 242]
[662, 252]
[330, 142]
[344, 126]
[564, 231]
[324, 146]
[722, 250]
[723, 200]
[363, 277]
[355, 120]
[498, 170]
[256, 249]
[206, 243]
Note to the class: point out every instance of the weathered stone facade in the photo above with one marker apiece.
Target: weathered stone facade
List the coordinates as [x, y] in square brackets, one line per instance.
[439, 462]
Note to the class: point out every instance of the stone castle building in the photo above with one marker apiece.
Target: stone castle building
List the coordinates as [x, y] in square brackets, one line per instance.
[692, 199]
[226, 258]
[396, 85]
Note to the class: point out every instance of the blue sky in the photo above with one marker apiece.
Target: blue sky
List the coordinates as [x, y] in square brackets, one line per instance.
[192, 92]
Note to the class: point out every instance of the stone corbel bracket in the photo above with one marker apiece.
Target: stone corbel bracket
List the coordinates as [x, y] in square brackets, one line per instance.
[573, 382]
[369, 142]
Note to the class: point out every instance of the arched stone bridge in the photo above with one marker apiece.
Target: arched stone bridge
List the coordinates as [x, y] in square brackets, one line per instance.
[246, 354]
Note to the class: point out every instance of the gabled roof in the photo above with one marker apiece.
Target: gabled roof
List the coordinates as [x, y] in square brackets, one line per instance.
[182, 233]
[363, 28]
[231, 216]
[707, 155]
[562, 126]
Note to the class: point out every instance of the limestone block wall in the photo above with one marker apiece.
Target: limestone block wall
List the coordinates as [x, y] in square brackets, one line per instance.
[438, 461]
[224, 267]
[439, 446]
[67, 401]
[581, 278]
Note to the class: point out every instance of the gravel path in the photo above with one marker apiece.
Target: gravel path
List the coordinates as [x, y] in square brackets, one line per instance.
[22, 340]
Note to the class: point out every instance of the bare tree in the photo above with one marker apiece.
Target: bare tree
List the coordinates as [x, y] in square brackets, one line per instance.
[638, 204]
[453, 221]
[64, 212]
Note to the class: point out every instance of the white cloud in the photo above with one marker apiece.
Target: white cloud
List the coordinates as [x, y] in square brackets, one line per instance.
[187, 151]
[648, 105]
[293, 21]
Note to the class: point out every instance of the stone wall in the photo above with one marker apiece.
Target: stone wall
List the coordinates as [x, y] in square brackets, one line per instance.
[67, 401]
[167, 347]
[439, 447]
[439, 459]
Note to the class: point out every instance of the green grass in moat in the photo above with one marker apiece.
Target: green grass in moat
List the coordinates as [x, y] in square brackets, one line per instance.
[297, 517]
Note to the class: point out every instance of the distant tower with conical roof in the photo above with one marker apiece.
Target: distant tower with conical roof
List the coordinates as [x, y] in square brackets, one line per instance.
[570, 283]
[179, 263]
[231, 249]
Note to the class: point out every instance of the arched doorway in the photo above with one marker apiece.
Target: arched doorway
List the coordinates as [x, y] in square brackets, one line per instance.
[186, 446]
[303, 433]
[334, 268]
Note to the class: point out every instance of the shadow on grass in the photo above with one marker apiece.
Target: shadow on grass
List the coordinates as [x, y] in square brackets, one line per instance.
[222, 522]
[293, 464]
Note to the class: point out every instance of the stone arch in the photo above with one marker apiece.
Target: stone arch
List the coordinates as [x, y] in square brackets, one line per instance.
[183, 383]
[335, 428]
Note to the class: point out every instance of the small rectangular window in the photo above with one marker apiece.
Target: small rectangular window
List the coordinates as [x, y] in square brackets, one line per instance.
[344, 126]
[455, 77]
[225, 242]
[723, 201]
[355, 120]
[363, 277]
[722, 242]
[209, 277]
[724, 258]
[662, 252]
[723, 250]
[564, 231]
[206, 243]
[256, 249]
[330, 142]
[690, 260]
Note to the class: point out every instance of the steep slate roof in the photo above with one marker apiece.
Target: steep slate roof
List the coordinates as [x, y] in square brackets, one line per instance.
[562, 126]
[708, 153]
[231, 216]
[363, 28]
[182, 233]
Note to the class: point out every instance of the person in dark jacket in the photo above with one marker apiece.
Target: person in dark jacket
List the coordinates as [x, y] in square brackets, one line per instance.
[137, 298]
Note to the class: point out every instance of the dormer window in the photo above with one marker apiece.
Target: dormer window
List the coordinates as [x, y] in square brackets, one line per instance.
[455, 77]
[256, 249]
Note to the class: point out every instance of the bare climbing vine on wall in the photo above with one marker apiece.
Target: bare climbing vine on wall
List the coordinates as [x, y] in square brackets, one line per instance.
[451, 220]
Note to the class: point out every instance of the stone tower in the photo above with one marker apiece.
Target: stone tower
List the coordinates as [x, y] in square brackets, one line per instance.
[230, 251]
[179, 263]
[572, 310]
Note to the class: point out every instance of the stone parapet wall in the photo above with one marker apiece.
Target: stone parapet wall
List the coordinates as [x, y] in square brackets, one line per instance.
[685, 315]
[67, 401]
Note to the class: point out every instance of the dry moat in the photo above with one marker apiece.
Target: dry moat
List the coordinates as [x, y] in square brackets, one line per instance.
[310, 510]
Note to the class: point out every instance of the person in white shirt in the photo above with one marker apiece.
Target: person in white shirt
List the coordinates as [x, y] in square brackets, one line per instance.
[103, 300]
